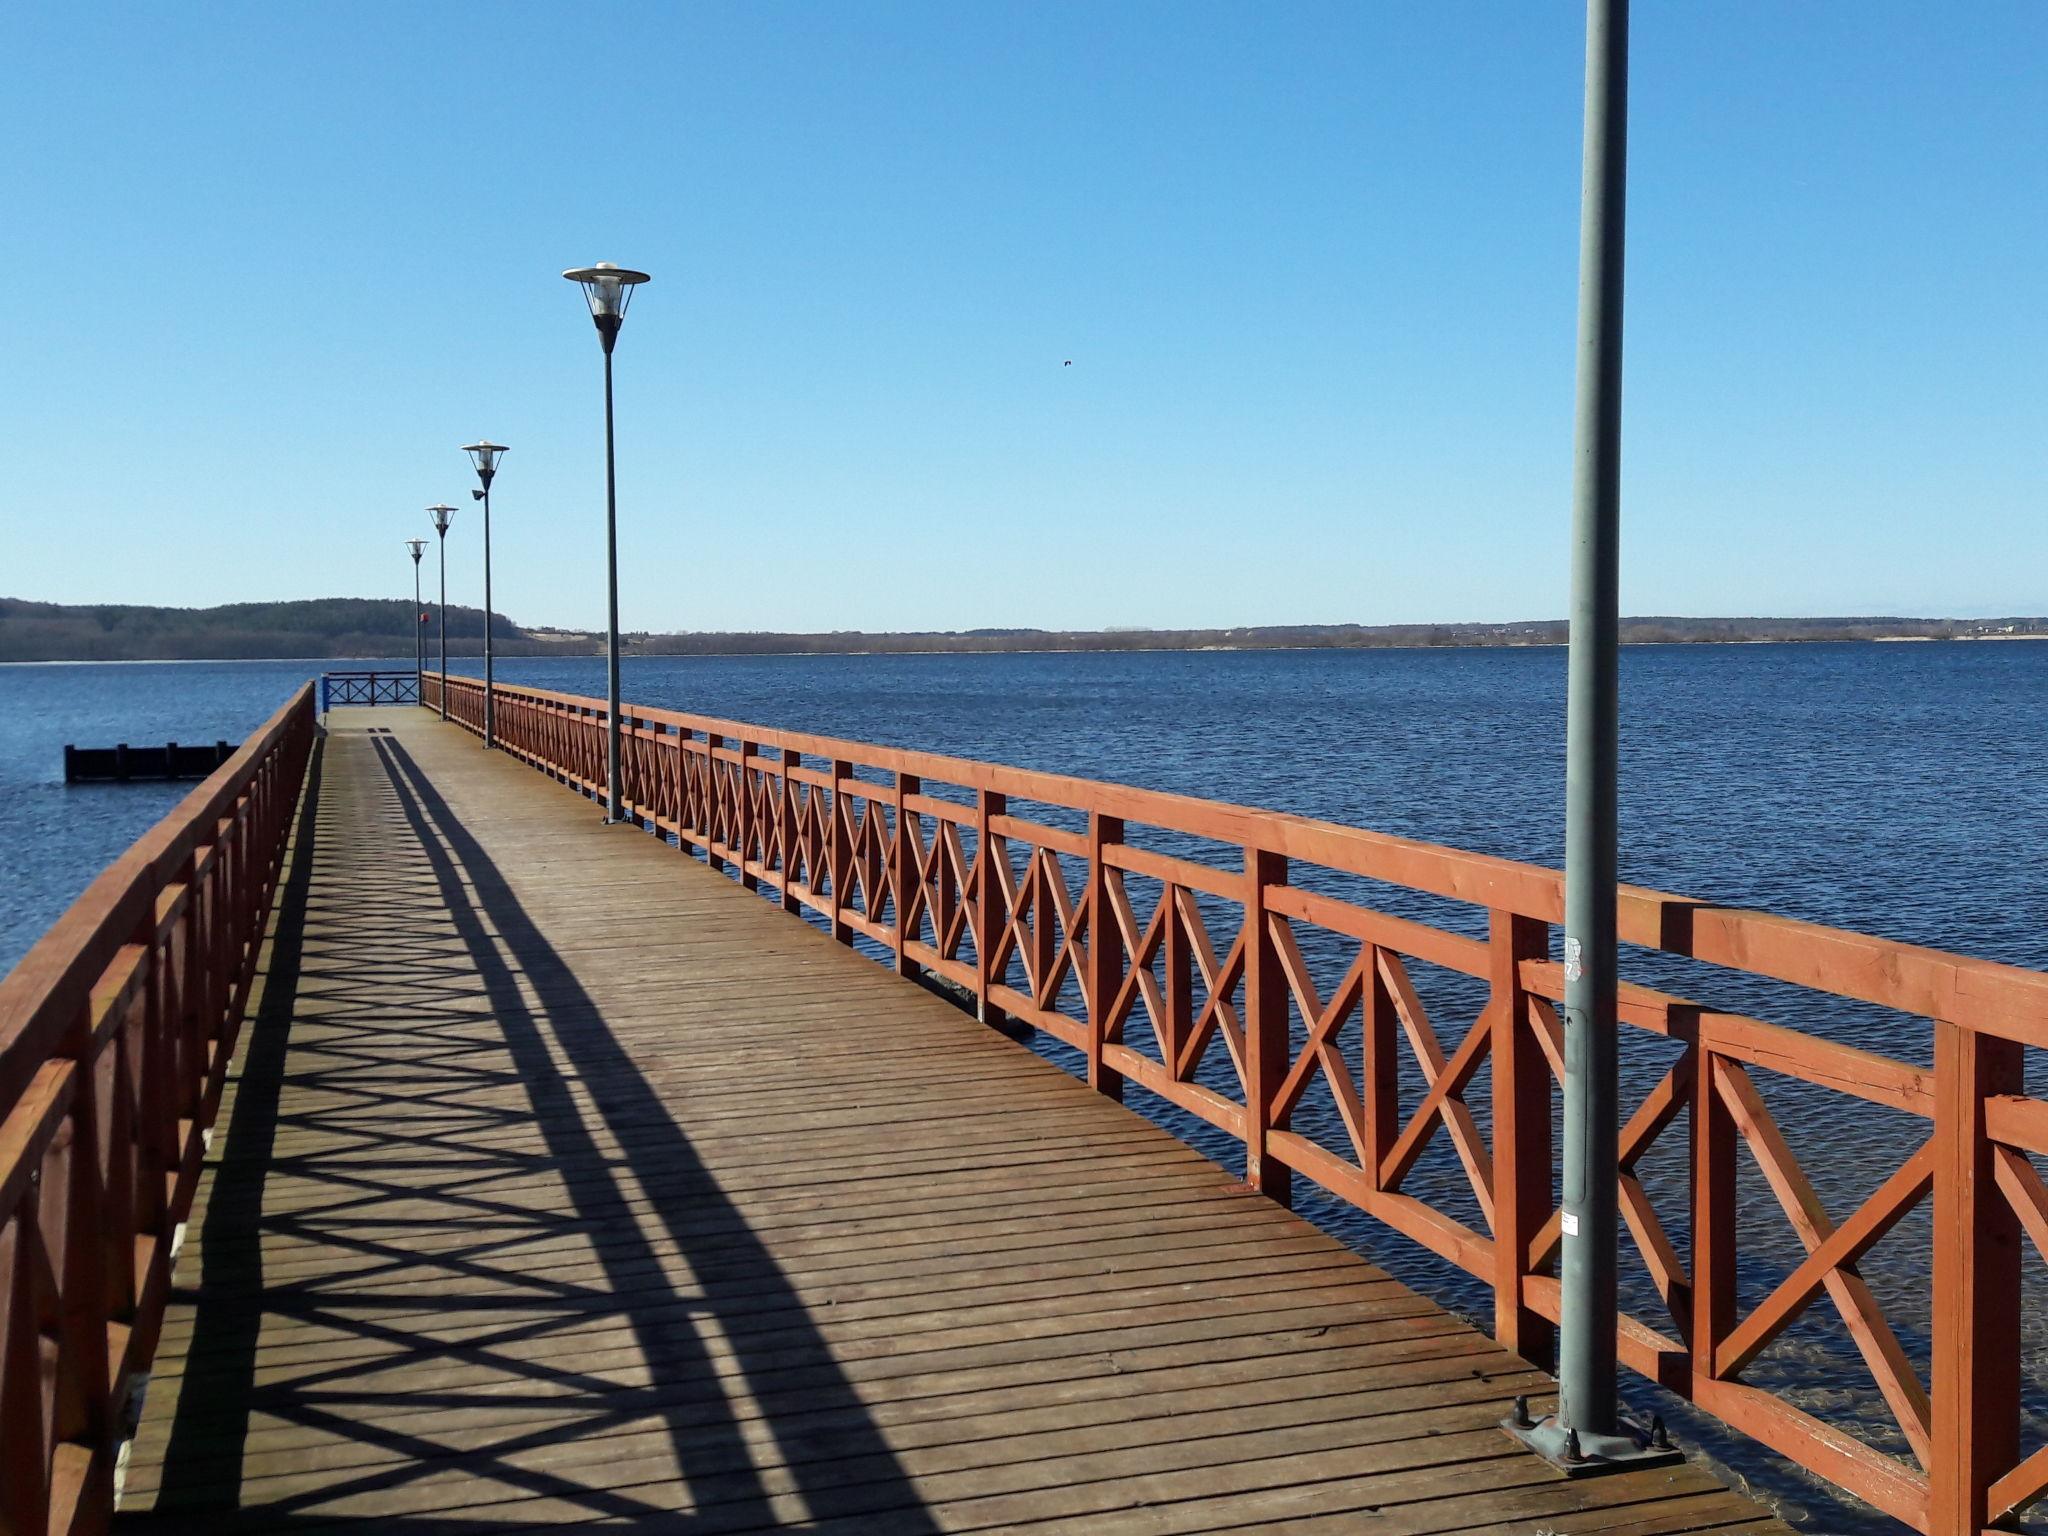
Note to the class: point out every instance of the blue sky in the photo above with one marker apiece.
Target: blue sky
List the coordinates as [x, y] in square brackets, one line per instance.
[1315, 267]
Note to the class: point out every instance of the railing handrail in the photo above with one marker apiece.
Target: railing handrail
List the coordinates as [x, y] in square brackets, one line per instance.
[115, 1034]
[1997, 998]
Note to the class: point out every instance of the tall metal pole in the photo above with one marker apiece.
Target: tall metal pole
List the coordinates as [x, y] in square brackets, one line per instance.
[490, 710]
[419, 637]
[607, 288]
[616, 809]
[1586, 1401]
[444, 623]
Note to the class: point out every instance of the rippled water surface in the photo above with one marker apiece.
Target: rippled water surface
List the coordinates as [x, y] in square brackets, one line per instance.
[1893, 788]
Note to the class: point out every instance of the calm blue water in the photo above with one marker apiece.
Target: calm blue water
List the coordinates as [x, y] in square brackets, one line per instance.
[1893, 788]
[54, 839]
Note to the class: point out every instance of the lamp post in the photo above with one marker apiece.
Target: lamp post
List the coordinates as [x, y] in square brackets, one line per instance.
[485, 455]
[418, 547]
[442, 517]
[1588, 1434]
[609, 289]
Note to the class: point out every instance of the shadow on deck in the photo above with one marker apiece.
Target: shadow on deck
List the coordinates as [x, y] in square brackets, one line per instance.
[592, 1332]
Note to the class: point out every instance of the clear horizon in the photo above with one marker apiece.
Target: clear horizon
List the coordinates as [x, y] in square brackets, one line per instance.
[1315, 271]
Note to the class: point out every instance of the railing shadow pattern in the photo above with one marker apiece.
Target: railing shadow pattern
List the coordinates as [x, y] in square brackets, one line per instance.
[554, 1314]
[1238, 963]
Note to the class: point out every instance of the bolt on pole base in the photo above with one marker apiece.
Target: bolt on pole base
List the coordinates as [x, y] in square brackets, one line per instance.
[1580, 1454]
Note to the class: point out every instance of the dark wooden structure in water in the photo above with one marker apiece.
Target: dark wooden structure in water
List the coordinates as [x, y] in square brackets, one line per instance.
[563, 1181]
[124, 764]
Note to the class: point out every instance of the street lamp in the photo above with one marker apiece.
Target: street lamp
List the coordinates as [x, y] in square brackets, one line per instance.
[485, 456]
[441, 517]
[419, 639]
[608, 290]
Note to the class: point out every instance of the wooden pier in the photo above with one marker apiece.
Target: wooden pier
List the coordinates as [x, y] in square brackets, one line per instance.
[567, 1182]
[562, 1180]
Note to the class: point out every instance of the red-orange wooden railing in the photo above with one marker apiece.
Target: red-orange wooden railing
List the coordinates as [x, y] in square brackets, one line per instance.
[1036, 916]
[115, 1034]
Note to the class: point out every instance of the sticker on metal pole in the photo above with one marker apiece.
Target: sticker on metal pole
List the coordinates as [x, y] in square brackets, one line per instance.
[1574, 959]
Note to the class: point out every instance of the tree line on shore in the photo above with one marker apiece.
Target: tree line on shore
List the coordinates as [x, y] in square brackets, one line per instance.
[384, 628]
[316, 628]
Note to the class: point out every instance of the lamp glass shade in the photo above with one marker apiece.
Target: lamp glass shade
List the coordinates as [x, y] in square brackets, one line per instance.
[418, 548]
[608, 288]
[485, 455]
[442, 516]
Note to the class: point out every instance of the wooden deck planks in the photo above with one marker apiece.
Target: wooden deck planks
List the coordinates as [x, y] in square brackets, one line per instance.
[564, 1183]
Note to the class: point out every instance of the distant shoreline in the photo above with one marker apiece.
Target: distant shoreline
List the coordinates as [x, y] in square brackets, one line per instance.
[346, 629]
[1895, 639]
[385, 663]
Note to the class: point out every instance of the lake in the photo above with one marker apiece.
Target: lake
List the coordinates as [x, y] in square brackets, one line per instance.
[1893, 788]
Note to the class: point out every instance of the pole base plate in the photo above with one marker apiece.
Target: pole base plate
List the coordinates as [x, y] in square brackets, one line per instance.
[1630, 1450]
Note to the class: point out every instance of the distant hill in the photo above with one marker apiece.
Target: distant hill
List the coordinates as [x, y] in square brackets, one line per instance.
[329, 626]
[354, 626]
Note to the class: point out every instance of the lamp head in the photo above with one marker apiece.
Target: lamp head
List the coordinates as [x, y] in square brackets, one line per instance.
[441, 516]
[608, 289]
[418, 548]
[485, 455]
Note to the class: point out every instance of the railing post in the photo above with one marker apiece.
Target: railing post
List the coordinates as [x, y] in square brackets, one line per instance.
[785, 807]
[676, 769]
[903, 870]
[1713, 1222]
[1380, 1069]
[1105, 954]
[632, 759]
[989, 912]
[942, 891]
[126, 1188]
[161, 1088]
[187, 980]
[1521, 1136]
[1266, 1042]
[689, 813]
[241, 861]
[1036, 898]
[745, 819]
[842, 852]
[1976, 1315]
[1177, 963]
[713, 821]
[74, 1217]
